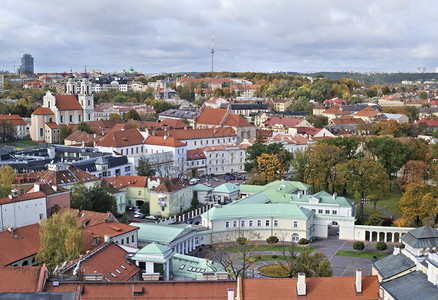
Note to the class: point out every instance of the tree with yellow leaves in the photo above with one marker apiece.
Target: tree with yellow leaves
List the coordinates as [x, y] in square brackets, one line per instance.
[270, 167]
[7, 177]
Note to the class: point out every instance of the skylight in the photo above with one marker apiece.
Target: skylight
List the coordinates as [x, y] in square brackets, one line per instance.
[114, 275]
[118, 271]
[123, 267]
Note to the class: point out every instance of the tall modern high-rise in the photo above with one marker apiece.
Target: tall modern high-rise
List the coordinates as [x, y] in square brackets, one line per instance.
[26, 63]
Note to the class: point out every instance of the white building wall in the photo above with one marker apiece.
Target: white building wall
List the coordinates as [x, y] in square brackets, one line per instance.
[22, 213]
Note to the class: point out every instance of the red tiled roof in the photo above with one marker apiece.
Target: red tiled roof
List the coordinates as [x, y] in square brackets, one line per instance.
[169, 185]
[86, 218]
[53, 125]
[195, 154]
[67, 102]
[163, 141]
[336, 110]
[347, 120]
[317, 288]
[163, 290]
[223, 147]
[308, 131]
[211, 116]
[367, 112]
[286, 122]
[169, 123]
[236, 120]
[43, 111]
[22, 279]
[13, 119]
[109, 259]
[24, 243]
[289, 139]
[429, 123]
[124, 181]
[111, 228]
[23, 197]
[199, 133]
[69, 176]
[124, 138]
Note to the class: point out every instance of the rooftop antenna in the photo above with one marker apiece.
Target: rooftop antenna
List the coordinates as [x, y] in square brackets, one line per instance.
[212, 52]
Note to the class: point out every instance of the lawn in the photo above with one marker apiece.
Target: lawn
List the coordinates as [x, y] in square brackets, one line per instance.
[261, 248]
[20, 144]
[267, 257]
[361, 254]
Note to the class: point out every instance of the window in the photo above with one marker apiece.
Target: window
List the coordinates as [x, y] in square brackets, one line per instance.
[71, 118]
[227, 224]
[62, 119]
[267, 223]
[320, 211]
[41, 216]
[242, 223]
[127, 240]
[132, 238]
[327, 212]
[250, 223]
[334, 212]
[234, 223]
[295, 237]
[275, 223]
[139, 193]
[314, 210]
[259, 223]
[123, 241]
[295, 224]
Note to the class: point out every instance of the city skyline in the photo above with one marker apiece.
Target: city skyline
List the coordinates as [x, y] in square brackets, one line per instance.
[258, 36]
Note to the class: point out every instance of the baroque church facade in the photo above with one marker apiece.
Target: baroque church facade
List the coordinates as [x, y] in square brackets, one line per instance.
[76, 106]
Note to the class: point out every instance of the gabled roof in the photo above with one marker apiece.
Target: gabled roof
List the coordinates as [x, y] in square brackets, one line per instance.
[367, 112]
[66, 177]
[113, 229]
[162, 234]
[163, 141]
[124, 138]
[201, 188]
[236, 210]
[67, 102]
[13, 119]
[211, 116]
[23, 197]
[317, 288]
[236, 121]
[22, 279]
[86, 218]
[195, 154]
[413, 285]
[226, 188]
[347, 120]
[125, 181]
[154, 252]
[336, 110]
[286, 122]
[23, 243]
[422, 237]
[109, 261]
[393, 264]
[43, 111]
[53, 125]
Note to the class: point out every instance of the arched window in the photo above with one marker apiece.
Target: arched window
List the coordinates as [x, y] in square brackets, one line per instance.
[295, 237]
[41, 132]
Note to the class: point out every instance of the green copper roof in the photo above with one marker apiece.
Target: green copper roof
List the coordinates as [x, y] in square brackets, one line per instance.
[154, 252]
[201, 188]
[193, 267]
[283, 186]
[226, 188]
[163, 234]
[248, 188]
[323, 198]
[257, 211]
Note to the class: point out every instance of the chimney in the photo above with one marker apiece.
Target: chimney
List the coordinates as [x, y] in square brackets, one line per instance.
[165, 137]
[36, 187]
[335, 195]
[55, 187]
[106, 238]
[301, 284]
[14, 193]
[396, 250]
[230, 294]
[358, 281]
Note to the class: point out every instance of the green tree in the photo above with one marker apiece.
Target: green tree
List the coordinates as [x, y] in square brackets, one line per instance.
[359, 246]
[144, 167]
[299, 164]
[63, 133]
[79, 197]
[84, 126]
[374, 220]
[132, 115]
[7, 177]
[350, 145]
[7, 130]
[61, 240]
[316, 265]
[254, 151]
[144, 208]
[317, 121]
[272, 240]
[381, 246]
[195, 201]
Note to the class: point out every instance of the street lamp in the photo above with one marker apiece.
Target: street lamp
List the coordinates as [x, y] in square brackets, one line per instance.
[362, 201]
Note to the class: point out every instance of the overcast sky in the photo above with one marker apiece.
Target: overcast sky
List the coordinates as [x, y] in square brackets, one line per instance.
[249, 35]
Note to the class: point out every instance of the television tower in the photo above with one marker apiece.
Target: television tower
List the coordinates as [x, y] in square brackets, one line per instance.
[212, 53]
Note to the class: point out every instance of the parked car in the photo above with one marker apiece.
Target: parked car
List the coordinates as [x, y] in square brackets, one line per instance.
[133, 221]
[194, 181]
[226, 177]
[154, 218]
[138, 215]
[189, 221]
[215, 179]
[207, 183]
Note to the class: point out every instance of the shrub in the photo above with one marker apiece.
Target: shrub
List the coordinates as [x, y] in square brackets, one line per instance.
[272, 240]
[402, 246]
[381, 246]
[258, 257]
[359, 246]
[274, 256]
[241, 240]
[303, 241]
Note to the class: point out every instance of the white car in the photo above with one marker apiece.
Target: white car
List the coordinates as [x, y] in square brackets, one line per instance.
[215, 179]
[138, 215]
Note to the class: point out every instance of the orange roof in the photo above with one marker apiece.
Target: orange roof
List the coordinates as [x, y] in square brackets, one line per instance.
[111, 228]
[107, 261]
[53, 125]
[122, 138]
[195, 154]
[124, 181]
[347, 120]
[23, 243]
[66, 177]
[67, 102]
[317, 288]
[289, 139]
[169, 123]
[89, 218]
[199, 133]
[286, 122]
[336, 110]
[367, 112]
[211, 116]
[13, 119]
[163, 290]
[22, 279]
[23, 197]
[163, 141]
[169, 185]
[223, 147]
[43, 111]
[236, 120]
